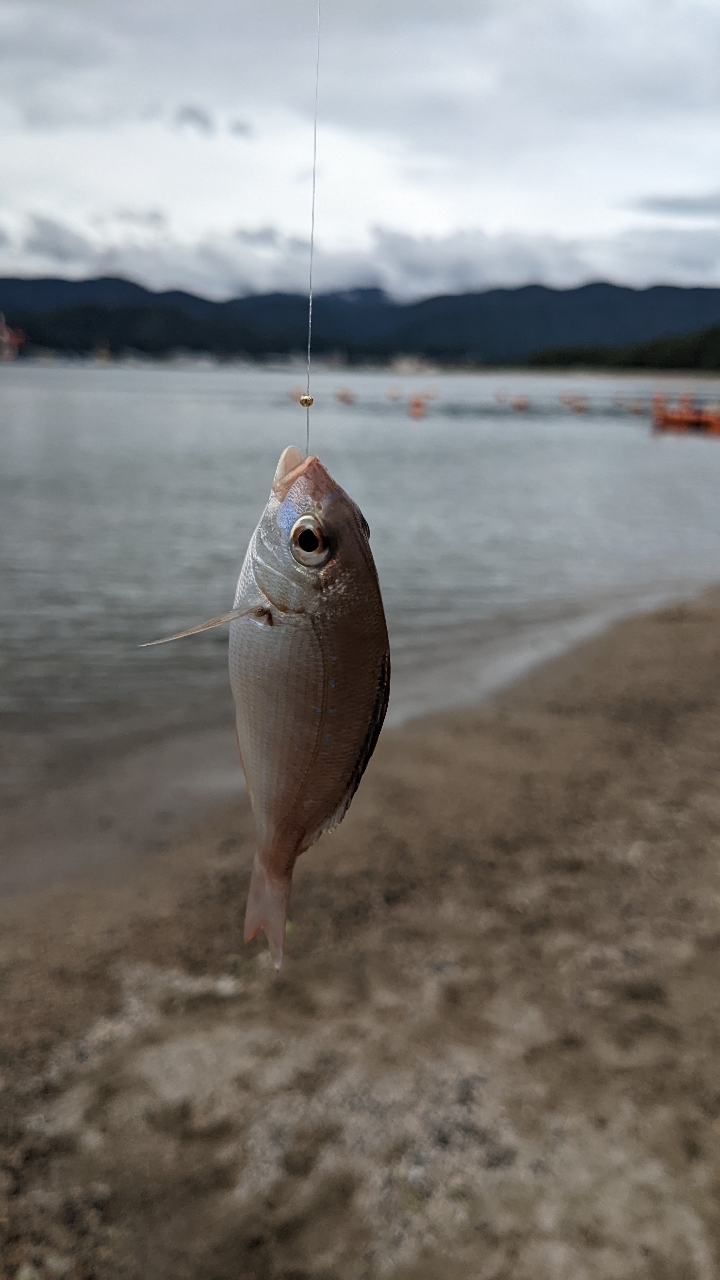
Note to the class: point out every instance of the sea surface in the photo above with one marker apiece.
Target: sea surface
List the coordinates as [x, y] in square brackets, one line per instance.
[501, 534]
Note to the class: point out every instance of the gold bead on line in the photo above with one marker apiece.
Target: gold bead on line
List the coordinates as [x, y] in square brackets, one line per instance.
[306, 401]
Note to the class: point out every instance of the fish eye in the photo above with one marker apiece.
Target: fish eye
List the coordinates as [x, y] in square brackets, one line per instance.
[308, 543]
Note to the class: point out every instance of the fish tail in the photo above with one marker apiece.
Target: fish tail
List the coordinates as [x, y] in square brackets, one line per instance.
[267, 910]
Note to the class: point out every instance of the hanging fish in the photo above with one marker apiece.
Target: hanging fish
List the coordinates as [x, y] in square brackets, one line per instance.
[310, 674]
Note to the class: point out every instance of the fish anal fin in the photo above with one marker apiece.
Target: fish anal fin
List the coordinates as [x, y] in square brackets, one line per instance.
[267, 910]
[335, 818]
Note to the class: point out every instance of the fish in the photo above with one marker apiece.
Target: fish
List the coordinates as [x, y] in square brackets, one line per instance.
[310, 675]
[309, 661]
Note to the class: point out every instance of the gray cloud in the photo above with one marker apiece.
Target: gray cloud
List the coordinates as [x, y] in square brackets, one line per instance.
[151, 218]
[413, 266]
[484, 107]
[441, 75]
[662, 256]
[265, 237]
[407, 267]
[195, 117]
[48, 238]
[700, 206]
[49, 57]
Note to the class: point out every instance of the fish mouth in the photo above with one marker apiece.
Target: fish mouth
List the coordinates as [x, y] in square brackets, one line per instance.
[291, 467]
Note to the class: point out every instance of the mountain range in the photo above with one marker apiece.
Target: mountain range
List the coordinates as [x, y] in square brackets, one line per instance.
[498, 326]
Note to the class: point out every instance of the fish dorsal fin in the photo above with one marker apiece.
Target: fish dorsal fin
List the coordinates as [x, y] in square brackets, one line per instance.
[291, 466]
[290, 458]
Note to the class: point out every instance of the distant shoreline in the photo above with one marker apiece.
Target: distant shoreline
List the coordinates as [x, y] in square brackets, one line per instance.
[599, 324]
[294, 364]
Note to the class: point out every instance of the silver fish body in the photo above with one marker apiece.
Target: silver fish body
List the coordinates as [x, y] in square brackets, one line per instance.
[310, 674]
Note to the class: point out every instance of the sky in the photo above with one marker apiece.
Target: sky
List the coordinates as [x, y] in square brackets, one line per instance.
[462, 144]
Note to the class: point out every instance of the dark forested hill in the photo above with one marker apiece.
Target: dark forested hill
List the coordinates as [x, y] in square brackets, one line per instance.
[497, 326]
[699, 350]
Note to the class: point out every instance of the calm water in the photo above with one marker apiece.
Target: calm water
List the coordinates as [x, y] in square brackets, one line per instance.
[127, 497]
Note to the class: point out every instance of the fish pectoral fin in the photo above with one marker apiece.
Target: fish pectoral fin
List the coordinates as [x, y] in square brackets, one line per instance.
[267, 910]
[202, 626]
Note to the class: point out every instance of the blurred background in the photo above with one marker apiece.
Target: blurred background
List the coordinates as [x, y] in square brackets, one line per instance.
[500, 185]
[493, 1050]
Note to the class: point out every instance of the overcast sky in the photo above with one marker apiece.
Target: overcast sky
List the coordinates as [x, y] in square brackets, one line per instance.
[462, 143]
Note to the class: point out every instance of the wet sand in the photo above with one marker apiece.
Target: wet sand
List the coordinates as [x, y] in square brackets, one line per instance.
[493, 1049]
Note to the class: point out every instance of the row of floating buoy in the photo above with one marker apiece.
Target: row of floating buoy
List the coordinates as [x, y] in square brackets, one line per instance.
[685, 416]
[519, 404]
[576, 404]
[637, 407]
[417, 402]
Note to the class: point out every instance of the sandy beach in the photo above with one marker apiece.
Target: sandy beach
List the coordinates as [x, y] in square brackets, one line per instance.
[492, 1052]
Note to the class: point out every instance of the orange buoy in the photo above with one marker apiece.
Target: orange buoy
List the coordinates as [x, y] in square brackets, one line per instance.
[578, 404]
[687, 416]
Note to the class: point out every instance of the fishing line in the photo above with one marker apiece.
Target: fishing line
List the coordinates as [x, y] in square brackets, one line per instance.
[307, 399]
